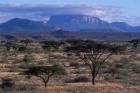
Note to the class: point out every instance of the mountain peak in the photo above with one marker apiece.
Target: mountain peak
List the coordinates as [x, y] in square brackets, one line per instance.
[79, 22]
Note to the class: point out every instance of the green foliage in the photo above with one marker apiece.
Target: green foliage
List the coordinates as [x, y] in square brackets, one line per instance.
[21, 48]
[88, 46]
[108, 78]
[58, 70]
[50, 45]
[119, 70]
[45, 70]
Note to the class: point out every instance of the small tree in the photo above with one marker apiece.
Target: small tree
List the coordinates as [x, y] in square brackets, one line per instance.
[45, 72]
[94, 55]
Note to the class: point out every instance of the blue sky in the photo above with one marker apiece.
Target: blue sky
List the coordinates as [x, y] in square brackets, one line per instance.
[108, 10]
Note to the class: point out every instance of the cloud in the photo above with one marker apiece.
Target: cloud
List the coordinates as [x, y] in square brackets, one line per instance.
[42, 12]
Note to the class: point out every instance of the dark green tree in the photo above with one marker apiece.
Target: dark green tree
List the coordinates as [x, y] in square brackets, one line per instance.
[45, 72]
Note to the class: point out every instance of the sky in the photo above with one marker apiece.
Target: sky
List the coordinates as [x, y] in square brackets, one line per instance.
[41, 10]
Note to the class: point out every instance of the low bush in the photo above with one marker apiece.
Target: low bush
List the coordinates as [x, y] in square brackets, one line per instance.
[78, 79]
[108, 78]
[119, 74]
[25, 87]
[136, 68]
[7, 83]
[74, 64]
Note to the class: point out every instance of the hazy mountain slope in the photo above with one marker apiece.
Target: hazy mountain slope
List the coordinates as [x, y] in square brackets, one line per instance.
[122, 26]
[18, 24]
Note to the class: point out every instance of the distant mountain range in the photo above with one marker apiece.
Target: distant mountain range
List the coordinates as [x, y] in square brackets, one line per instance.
[67, 23]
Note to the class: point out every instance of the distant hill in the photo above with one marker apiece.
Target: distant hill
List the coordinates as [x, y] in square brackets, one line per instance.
[103, 36]
[24, 25]
[124, 27]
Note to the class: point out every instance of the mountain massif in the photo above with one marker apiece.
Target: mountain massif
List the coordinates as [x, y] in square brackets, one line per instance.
[60, 27]
[67, 23]
[80, 22]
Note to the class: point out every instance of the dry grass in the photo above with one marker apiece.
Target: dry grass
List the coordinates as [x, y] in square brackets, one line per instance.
[57, 85]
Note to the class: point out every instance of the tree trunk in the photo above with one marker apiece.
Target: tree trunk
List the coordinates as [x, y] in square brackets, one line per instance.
[93, 80]
[45, 84]
[93, 77]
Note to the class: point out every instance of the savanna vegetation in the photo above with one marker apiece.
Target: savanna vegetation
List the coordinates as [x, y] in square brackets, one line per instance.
[69, 66]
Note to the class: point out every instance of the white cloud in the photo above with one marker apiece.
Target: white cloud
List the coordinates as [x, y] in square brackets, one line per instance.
[41, 12]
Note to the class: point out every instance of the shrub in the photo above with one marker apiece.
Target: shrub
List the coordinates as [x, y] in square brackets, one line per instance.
[78, 79]
[27, 59]
[74, 64]
[122, 77]
[58, 70]
[69, 54]
[7, 83]
[136, 68]
[119, 70]
[124, 61]
[108, 78]
[25, 87]
[21, 49]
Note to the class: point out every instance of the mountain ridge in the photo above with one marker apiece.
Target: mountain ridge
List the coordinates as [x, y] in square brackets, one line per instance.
[67, 23]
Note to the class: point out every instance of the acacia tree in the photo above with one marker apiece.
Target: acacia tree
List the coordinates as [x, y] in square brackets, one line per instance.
[45, 72]
[93, 55]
